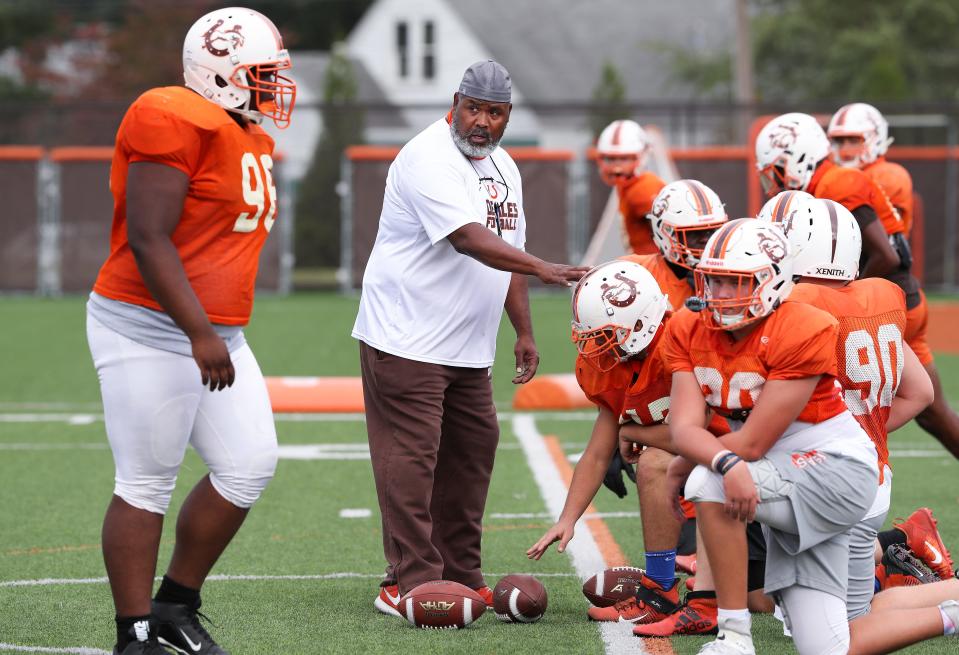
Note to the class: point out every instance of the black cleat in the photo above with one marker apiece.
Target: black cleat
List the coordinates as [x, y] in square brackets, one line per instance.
[179, 628]
[903, 568]
[147, 631]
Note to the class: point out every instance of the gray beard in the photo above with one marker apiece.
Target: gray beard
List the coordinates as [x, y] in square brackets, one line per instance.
[467, 148]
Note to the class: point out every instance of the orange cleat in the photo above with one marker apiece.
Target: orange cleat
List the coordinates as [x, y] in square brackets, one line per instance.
[923, 539]
[486, 594]
[697, 616]
[388, 600]
[900, 568]
[652, 603]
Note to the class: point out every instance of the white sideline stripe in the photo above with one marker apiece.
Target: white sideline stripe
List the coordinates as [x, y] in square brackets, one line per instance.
[86, 418]
[47, 582]
[79, 650]
[547, 515]
[359, 513]
[582, 550]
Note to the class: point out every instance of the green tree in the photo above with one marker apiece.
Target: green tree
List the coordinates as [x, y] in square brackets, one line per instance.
[609, 99]
[869, 50]
[317, 232]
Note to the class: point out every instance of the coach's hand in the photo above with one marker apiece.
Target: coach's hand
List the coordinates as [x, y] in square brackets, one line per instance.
[527, 359]
[741, 496]
[561, 273]
[213, 358]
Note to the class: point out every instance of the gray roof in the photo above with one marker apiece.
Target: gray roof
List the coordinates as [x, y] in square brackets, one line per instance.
[309, 70]
[555, 49]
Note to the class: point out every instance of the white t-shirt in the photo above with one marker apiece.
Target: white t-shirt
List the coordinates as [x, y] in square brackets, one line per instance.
[421, 299]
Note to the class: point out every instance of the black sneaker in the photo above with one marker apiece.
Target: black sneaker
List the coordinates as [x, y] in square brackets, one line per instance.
[179, 628]
[149, 646]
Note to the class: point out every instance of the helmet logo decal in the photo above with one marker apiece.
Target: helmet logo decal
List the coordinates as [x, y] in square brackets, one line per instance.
[620, 295]
[661, 204]
[783, 136]
[225, 39]
[773, 245]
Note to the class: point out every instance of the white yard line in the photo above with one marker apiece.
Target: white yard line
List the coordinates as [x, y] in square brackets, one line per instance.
[582, 550]
[77, 650]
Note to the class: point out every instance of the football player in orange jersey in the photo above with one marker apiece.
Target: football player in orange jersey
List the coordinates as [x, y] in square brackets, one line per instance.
[884, 382]
[799, 462]
[792, 153]
[618, 313]
[621, 151]
[193, 203]
[860, 136]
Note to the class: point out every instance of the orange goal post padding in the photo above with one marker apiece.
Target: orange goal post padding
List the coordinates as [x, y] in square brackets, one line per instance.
[315, 395]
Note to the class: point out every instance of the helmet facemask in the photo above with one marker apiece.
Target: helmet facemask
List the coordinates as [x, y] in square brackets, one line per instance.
[686, 243]
[741, 302]
[604, 347]
[271, 94]
[618, 169]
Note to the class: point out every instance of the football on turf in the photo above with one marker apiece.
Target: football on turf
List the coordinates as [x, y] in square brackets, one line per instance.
[608, 587]
[519, 599]
[442, 605]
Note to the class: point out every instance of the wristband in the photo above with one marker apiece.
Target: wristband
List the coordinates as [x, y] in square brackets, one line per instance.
[715, 463]
[728, 463]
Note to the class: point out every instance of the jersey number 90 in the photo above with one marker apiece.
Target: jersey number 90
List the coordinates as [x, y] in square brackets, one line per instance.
[882, 368]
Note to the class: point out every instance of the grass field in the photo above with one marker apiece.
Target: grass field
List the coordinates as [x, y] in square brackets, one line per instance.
[299, 578]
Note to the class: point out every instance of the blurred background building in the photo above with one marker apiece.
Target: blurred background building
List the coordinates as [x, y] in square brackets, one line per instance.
[372, 73]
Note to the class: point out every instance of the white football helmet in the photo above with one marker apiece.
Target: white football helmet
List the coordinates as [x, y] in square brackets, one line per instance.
[788, 150]
[617, 309]
[745, 273]
[684, 215]
[864, 122]
[233, 57]
[823, 235]
[621, 150]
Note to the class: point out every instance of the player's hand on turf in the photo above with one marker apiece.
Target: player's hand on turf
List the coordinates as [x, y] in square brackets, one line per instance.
[561, 532]
[527, 359]
[741, 496]
[561, 273]
[213, 358]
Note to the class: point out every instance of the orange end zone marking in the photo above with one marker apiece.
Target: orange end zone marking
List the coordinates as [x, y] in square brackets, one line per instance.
[608, 547]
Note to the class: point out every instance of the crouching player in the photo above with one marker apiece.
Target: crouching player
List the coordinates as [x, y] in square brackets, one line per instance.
[810, 471]
[618, 314]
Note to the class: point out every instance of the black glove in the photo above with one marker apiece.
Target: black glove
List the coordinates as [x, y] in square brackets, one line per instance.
[901, 246]
[614, 474]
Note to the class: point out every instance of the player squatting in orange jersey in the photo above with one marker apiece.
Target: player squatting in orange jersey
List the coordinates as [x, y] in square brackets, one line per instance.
[229, 208]
[732, 373]
[869, 348]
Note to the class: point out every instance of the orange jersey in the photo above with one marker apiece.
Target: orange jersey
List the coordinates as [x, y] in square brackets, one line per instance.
[852, 188]
[229, 208]
[795, 341]
[869, 352]
[896, 182]
[635, 201]
[607, 388]
[676, 289]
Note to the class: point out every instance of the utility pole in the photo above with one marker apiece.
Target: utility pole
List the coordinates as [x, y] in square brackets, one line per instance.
[744, 92]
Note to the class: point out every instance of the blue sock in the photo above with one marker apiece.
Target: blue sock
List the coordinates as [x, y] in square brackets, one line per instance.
[878, 586]
[661, 567]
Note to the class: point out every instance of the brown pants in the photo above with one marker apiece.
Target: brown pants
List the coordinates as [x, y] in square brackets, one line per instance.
[433, 435]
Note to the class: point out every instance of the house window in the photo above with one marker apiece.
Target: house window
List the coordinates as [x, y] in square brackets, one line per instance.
[429, 59]
[402, 48]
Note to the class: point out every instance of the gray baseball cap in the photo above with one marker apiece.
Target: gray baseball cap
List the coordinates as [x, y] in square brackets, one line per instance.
[487, 80]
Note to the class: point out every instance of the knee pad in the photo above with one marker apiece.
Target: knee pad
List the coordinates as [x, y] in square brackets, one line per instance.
[150, 493]
[704, 485]
[243, 484]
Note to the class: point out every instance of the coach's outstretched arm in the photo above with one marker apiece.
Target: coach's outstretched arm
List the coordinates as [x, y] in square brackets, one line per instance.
[479, 243]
